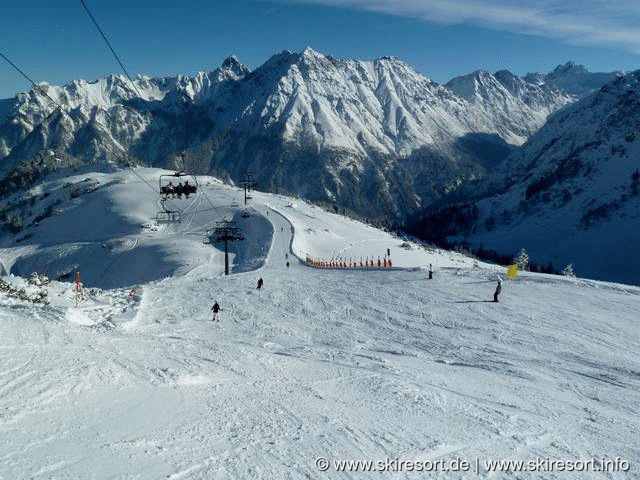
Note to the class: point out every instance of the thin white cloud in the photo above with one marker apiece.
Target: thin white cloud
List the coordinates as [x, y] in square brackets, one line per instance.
[597, 22]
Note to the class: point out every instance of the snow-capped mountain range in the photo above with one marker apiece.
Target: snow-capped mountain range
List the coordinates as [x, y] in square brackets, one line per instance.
[519, 108]
[571, 194]
[571, 78]
[375, 137]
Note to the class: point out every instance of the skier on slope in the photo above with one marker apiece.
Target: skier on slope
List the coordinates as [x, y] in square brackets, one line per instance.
[497, 292]
[260, 282]
[216, 312]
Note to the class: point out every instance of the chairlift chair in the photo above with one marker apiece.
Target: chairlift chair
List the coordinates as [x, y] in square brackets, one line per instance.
[167, 215]
[169, 184]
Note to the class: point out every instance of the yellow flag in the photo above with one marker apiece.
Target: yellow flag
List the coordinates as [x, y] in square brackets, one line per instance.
[512, 271]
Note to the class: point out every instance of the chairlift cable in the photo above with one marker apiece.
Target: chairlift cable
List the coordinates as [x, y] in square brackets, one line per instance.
[176, 210]
[150, 186]
[184, 168]
[213, 207]
[18, 69]
[142, 178]
[104, 37]
[34, 84]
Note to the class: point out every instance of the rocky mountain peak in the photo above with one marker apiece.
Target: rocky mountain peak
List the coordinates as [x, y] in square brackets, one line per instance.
[569, 67]
[234, 68]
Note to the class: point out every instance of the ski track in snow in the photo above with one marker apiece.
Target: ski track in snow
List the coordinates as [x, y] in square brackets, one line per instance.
[318, 363]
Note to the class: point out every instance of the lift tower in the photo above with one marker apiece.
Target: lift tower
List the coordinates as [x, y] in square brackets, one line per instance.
[226, 232]
[248, 183]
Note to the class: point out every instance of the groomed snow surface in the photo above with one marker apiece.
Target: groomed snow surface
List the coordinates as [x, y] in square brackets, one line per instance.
[381, 366]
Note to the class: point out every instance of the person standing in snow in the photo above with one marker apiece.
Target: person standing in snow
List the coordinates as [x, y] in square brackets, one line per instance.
[216, 312]
[497, 292]
[259, 284]
[430, 272]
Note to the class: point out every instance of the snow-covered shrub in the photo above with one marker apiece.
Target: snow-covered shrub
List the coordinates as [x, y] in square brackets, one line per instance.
[568, 271]
[20, 293]
[38, 279]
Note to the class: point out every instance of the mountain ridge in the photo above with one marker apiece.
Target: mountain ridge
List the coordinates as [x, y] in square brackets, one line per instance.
[375, 137]
[569, 195]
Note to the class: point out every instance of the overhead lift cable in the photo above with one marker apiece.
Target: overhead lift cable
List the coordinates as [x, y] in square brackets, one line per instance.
[35, 86]
[104, 37]
[192, 214]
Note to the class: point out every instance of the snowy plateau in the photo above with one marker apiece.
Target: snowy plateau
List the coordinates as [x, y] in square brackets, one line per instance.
[423, 378]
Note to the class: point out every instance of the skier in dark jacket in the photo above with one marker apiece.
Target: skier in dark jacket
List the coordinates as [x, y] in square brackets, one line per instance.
[216, 312]
[497, 292]
[259, 284]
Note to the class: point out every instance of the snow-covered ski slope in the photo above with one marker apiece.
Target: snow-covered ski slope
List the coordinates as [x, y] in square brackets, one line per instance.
[377, 366]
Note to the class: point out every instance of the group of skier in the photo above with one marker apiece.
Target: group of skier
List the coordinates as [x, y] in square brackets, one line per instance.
[216, 306]
[495, 294]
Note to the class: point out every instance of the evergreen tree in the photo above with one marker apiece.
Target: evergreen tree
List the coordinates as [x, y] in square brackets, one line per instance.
[522, 260]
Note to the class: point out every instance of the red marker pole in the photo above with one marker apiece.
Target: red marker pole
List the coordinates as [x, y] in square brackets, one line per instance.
[78, 287]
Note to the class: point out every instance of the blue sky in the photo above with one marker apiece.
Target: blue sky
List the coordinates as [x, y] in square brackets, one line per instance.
[56, 42]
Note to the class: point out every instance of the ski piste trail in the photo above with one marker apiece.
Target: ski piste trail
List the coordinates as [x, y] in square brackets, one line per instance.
[340, 365]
